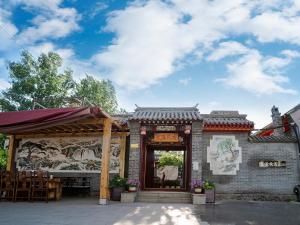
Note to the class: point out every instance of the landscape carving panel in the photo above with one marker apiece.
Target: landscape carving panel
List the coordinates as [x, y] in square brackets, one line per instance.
[82, 154]
[224, 155]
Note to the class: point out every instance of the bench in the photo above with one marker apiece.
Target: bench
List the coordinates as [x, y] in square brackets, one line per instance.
[76, 185]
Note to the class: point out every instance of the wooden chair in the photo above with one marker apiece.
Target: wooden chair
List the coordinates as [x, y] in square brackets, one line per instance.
[23, 185]
[8, 185]
[40, 186]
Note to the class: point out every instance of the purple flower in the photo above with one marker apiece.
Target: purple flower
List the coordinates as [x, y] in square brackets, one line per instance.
[133, 182]
[196, 183]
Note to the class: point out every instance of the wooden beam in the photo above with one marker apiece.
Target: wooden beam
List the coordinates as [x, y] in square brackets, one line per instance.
[62, 135]
[122, 155]
[104, 176]
[11, 154]
[89, 121]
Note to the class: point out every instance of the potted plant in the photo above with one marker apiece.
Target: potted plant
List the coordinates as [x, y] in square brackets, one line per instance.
[117, 186]
[167, 183]
[132, 184]
[197, 186]
[177, 184]
[209, 191]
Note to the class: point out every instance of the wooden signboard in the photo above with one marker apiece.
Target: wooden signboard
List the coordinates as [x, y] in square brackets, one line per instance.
[166, 137]
[166, 128]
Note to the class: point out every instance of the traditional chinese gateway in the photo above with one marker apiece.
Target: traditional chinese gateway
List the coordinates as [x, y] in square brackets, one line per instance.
[164, 148]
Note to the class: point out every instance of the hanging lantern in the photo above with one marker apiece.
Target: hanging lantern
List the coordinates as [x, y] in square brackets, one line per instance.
[187, 129]
[143, 130]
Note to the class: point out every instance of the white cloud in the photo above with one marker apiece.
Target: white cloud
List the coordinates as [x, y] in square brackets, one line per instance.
[275, 26]
[97, 8]
[254, 73]
[7, 31]
[152, 40]
[55, 23]
[230, 48]
[4, 84]
[185, 81]
[50, 22]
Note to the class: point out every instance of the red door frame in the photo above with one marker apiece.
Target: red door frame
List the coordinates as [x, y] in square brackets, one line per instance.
[186, 146]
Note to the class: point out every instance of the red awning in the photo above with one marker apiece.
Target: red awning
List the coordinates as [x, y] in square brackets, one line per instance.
[12, 122]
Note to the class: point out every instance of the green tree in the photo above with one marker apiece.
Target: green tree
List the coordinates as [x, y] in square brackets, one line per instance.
[98, 92]
[37, 80]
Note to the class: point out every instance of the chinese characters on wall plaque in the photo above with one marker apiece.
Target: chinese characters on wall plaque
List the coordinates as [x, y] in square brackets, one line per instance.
[267, 164]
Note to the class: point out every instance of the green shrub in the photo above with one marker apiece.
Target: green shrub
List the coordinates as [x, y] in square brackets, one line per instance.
[208, 185]
[3, 158]
[170, 159]
[117, 181]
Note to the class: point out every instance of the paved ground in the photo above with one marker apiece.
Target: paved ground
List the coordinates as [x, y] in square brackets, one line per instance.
[86, 212]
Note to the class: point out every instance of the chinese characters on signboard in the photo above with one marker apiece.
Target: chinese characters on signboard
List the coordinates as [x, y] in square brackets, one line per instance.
[266, 164]
[165, 128]
[166, 137]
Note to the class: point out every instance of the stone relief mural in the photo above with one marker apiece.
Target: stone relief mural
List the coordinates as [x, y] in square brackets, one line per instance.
[224, 155]
[66, 154]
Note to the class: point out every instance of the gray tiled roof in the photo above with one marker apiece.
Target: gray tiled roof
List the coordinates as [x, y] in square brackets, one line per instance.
[273, 139]
[171, 114]
[226, 118]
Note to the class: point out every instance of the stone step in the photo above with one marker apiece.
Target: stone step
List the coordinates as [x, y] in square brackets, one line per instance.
[164, 197]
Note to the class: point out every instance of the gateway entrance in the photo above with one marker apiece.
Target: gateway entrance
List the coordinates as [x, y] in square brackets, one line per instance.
[166, 168]
[165, 158]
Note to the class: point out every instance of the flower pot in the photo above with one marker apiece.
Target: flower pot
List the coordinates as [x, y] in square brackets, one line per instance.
[115, 193]
[210, 195]
[132, 189]
[198, 190]
[128, 197]
[199, 199]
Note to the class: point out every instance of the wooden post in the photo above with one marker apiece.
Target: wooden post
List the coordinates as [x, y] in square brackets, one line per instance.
[11, 155]
[104, 179]
[122, 155]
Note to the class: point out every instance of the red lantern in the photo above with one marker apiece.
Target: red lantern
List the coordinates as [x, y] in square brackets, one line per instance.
[143, 130]
[187, 129]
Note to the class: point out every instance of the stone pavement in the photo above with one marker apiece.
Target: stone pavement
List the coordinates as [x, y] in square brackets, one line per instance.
[85, 211]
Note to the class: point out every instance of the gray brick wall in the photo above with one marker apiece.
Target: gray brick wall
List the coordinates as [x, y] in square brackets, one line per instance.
[134, 153]
[250, 178]
[196, 150]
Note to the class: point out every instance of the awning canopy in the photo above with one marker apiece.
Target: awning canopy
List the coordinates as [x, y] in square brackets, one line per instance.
[57, 120]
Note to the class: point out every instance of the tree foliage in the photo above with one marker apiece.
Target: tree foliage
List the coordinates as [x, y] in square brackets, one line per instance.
[170, 159]
[98, 92]
[41, 81]
[37, 81]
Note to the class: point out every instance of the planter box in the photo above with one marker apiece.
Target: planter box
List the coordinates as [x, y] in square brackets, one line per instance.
[199, 199]
[115, 193]
[210, 196]
[128, 197]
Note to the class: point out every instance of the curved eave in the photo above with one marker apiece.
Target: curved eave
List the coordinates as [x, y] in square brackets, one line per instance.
[228, 127]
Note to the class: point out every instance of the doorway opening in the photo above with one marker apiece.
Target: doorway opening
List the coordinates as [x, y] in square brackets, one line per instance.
[166, 168]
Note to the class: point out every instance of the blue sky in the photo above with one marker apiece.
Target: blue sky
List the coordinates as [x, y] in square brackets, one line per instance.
[238, 55]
